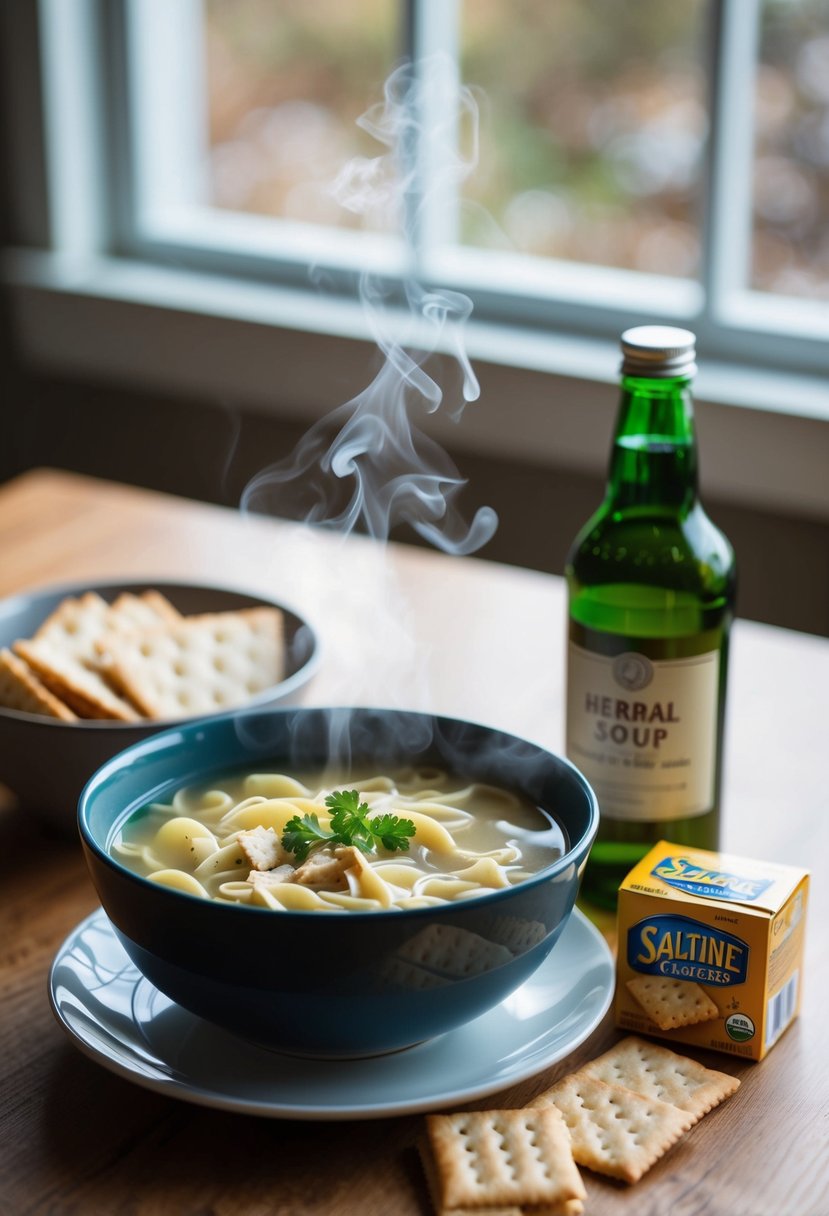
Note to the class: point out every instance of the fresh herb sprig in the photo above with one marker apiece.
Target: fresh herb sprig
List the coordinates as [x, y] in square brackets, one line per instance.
[349, 825]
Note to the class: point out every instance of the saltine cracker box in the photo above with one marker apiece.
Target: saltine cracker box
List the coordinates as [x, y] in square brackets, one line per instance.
[710, 949]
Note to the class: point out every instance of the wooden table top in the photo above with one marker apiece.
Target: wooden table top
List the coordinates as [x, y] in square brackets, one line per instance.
[489, 645]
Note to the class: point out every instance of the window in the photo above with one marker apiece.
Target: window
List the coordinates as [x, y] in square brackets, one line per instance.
[172, 165]
[284, 87]
[790, 237]
[669, 160]
[594, 131]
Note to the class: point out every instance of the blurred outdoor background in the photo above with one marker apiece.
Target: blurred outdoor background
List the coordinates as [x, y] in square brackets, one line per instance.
[188, 316]
[593, 125]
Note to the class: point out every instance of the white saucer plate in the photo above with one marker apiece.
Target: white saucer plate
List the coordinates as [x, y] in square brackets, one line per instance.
[119, 1019]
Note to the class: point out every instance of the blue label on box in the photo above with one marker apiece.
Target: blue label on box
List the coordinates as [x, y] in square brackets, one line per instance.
[685, 875]
[683, 949]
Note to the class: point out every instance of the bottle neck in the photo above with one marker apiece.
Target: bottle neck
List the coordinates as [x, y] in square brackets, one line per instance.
[654, 458]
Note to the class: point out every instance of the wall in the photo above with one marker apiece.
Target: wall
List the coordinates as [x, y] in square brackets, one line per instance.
[208, 452]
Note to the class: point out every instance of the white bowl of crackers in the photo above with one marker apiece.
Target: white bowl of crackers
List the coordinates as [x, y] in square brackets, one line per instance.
[87, 670]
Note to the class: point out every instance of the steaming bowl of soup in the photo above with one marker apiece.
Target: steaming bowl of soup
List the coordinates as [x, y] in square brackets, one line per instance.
[350, 950]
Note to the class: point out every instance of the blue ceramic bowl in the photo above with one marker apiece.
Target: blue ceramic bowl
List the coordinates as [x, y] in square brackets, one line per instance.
[334, 984]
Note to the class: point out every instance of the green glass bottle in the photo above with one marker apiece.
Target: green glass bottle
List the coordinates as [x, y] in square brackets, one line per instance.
[651, 584]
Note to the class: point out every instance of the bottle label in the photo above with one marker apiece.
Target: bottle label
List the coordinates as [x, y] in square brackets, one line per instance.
[644, 731]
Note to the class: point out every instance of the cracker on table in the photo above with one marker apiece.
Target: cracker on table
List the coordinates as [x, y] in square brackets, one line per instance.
[506, 1158]
[568, 1207]
[672, 1003]
[63, 654]
[21, 689]
[657, 1072]
[512, 1210]
[200, 663]
[613, 1130]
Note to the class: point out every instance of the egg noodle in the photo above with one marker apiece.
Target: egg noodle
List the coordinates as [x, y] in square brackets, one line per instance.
[225, 843]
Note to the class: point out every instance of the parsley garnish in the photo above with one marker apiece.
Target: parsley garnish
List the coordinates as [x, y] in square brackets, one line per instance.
[349, 825]
[392, 832]
[301, 835]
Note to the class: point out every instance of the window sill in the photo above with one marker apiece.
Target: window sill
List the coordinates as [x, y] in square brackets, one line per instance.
[546, 398]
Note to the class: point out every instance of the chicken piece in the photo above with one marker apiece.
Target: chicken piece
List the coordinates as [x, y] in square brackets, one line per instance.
[326, 871]
[264, 880]
[262, 848]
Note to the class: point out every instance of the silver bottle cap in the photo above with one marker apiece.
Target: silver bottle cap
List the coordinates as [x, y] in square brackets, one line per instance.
[658, 350]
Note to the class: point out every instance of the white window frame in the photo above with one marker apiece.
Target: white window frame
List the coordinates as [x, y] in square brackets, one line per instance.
[227, 298]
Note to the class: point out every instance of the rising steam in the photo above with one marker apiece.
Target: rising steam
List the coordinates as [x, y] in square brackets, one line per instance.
[367, 465]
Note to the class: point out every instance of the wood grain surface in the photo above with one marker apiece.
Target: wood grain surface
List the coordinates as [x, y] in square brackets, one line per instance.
[467, 638]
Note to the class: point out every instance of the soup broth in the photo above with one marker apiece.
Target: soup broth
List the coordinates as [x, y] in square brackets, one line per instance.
[233, 841]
